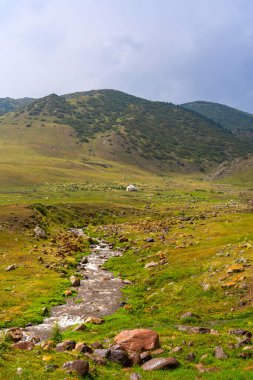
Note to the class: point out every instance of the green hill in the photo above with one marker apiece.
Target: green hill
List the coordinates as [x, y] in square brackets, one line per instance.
[239, 122]
[9, 104]
[131, 129]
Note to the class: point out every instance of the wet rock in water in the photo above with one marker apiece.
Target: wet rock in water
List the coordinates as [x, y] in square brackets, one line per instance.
[118, 354]
[15, 334]
[219, 353]
[160, 363]
[39, 233]
[10, 267]
[75, 281]
[94, 320]
[67, 345]
[151, 264]
[78, 367]
[23, 345]
[135, 376]
[138, 340]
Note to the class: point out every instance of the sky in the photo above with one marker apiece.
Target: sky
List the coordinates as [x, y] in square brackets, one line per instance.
[170, 50]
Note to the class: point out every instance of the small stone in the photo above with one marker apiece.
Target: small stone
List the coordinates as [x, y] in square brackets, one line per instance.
[117, 354]
[219, 353]
[15, 334]
[135, 376]
[241, 332]
[75, 281]
[203, 369]
[150, 240]
[94, 320]
[151, 264]
[51, 367]
[10, 267]
[100, 352]
[67, 345]
[160, 363]
[82, 347]
[39, 233]
[189, 314]
[177, 349]
[159, 351]
[23, 345]
[190, 357]
[79, 367]
[96, 345]
[80, 327]
[19, 371]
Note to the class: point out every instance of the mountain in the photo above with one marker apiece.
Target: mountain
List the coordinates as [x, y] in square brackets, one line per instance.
[9, 104]
[238, 122]
[130, 126]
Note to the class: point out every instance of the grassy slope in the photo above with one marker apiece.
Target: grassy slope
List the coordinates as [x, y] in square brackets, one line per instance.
[239, 122]
[205, 228]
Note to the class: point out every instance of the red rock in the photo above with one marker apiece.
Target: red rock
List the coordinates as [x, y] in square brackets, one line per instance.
[160, 363]
[26, 346]
[138, 340]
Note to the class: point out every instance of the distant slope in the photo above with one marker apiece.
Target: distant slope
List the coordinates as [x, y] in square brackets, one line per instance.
[124, 128]
[9, 104]
[239, 122]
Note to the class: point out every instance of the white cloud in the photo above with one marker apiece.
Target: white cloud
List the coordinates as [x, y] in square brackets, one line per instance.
[158, 49]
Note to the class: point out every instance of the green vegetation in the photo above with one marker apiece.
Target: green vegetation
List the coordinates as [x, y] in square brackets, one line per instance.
[238, 122]
[10, 105]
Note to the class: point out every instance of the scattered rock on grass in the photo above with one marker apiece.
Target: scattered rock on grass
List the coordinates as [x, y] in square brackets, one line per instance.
[219, 353]
[67, 345]
[15, 334]
[23, 345]
[75, 281]
[10, 267]
[151, 264]
[94, 320]
[118, 354]
[160, 363]
[78, 367]
[138, 340]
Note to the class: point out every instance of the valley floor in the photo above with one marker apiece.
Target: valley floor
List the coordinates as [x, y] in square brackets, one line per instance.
[187, 265]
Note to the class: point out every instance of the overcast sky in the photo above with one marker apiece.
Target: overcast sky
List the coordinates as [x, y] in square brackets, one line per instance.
[170, 50]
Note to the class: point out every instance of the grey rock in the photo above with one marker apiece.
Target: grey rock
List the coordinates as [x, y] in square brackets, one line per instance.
[219, 353]
[135, 376]
[67, 345]
[160, 363]
[75, 281]
[117, 354]
[10, 267]
[39, 233]
[79, 367]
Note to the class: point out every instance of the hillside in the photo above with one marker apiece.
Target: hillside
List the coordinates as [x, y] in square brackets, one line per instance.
[9, 104]
[120, 127]
[239, 122]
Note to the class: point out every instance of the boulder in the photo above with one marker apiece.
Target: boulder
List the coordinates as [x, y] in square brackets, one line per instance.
[23, 345]
[67, 345]
[160, 363]
[118, 354]
[138, 340]
[77, 367]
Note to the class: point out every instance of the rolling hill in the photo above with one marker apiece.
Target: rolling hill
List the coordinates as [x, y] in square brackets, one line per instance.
[73, 137]
[238, 122]
[9, 104]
